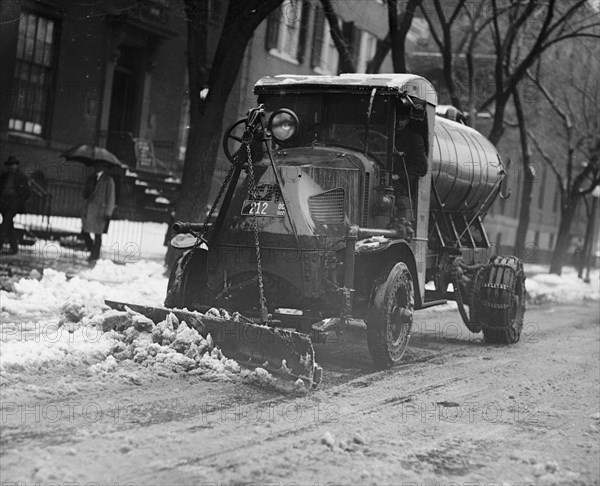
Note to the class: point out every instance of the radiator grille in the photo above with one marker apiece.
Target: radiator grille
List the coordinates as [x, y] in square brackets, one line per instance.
[365, 216]
[328, 207]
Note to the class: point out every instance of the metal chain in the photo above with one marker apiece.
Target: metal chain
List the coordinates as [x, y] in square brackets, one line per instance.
[252, 195]
[210, 215]
[217, 199]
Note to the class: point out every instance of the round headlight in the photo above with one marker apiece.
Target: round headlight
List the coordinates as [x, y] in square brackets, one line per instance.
[283, 124]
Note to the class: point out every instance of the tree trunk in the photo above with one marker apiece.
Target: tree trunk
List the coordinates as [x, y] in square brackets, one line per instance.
[528, 179]
[498, 125]
[559, 256]
[346, 60]
[395, 41]
[589, 235]
[206, 118]
[204, 140]
[449, 78]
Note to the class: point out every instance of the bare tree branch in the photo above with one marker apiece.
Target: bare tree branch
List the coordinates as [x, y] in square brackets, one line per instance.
[549, 161]
[347, 64]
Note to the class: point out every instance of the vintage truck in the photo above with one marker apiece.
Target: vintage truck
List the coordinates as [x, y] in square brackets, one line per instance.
[307, 237]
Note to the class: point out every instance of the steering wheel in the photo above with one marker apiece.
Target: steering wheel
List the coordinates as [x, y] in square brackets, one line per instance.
[378, 145]
[232, 140]
[378, 142]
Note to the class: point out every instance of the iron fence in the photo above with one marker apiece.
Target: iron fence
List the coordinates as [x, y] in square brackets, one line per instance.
[126, 241]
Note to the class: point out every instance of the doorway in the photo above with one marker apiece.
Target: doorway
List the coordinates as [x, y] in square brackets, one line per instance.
[125, 103]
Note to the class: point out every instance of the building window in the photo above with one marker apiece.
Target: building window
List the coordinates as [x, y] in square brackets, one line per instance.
[286, 30]
[551, 242]
[368, 47]
[324, 57]
[33, 74]
[536, 239]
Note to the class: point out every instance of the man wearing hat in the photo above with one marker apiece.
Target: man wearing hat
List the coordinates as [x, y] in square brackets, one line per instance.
[14, 191]
[409, 165]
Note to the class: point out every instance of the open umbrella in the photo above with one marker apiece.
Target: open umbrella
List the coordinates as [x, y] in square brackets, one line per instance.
[90, 155]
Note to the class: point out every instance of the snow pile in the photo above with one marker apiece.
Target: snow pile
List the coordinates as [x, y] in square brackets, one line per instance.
[57, 321]
[43, 345]
[568, 287]
[167, 346]
[103, 338]
[34, 299]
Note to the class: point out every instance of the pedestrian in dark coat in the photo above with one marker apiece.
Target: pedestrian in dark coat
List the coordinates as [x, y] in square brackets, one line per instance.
[100, 200]
[14, 191]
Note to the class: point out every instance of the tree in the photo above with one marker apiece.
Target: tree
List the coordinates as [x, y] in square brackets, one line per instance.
[444, 43]
[521, 32]
[399, 25]
[528, 176]
[576, 105]
[206, 115]
[539, 26]
[347, 64]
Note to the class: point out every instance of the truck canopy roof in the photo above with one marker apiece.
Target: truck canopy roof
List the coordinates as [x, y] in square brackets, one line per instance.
[393, 83]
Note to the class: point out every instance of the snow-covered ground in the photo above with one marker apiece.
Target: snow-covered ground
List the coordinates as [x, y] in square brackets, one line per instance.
[544, 287]
[61, 320]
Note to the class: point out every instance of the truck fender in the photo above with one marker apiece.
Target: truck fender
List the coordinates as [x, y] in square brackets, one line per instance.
[388, 255]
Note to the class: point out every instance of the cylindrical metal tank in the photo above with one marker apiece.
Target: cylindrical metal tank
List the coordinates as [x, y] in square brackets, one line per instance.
[465, 166]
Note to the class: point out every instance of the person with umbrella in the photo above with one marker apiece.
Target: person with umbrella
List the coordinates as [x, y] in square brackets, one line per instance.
[100, 201]
[99, 193]
[14, 191]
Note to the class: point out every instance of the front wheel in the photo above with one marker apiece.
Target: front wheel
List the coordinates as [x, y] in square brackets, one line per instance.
[501, 300]
[187, 286]
[390, 317]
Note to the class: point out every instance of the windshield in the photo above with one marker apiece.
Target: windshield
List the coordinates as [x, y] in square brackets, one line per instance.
[337, 119]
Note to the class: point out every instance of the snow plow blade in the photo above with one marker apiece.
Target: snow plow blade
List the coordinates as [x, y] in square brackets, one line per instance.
[287, 354]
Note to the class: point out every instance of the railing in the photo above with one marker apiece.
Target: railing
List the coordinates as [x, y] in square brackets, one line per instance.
[125, 242]
[41, 202]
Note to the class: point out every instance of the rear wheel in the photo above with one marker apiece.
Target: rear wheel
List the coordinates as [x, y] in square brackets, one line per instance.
[390, 317]
[501, 300]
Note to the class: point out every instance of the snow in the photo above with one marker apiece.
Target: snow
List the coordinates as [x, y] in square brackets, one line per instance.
[142, 283]
[544, 287]
[59, 320]
[51, 320]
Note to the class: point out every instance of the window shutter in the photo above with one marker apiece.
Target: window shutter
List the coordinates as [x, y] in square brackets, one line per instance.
[272, 29]
[303, 30]
[317, 45]
[356, 41]
[352, 37]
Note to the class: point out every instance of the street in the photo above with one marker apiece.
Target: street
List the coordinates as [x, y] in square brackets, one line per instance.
[456, 411]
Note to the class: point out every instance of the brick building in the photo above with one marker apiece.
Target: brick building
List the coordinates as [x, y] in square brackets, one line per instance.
[106, 73]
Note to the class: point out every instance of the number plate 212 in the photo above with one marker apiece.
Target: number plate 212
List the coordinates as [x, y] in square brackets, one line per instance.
[263, 208]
